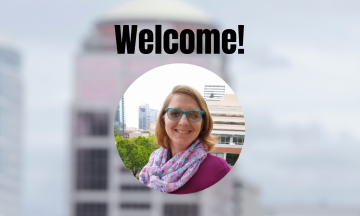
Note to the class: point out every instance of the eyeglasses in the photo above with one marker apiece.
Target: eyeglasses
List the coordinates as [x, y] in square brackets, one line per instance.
[176, 114]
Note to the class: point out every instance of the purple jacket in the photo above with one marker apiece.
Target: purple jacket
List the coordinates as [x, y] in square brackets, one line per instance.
[210, 171]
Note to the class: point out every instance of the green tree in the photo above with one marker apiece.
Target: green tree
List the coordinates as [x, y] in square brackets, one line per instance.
[118, 133]
[153, 142]
[135, 152]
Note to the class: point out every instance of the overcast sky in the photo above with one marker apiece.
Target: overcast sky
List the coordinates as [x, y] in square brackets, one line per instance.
[144, 90]
[298, 83]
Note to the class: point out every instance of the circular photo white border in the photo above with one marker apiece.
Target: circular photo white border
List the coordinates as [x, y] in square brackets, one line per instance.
[155, 85]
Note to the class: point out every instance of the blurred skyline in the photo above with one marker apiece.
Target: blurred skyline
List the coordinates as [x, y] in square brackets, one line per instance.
[297, 83]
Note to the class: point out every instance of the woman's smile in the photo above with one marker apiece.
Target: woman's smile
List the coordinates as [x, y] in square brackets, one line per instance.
[183, 131]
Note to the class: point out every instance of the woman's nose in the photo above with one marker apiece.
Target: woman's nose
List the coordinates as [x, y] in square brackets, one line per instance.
[183, 120]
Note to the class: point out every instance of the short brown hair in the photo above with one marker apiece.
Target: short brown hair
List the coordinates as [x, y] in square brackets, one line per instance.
[205, 136]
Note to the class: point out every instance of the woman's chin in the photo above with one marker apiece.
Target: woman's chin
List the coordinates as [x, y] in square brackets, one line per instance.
[183, 143]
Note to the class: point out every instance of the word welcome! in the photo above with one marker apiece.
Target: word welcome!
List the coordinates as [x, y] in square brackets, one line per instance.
[126, 40]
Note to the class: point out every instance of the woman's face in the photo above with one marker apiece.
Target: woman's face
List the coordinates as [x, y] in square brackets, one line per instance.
[182, 133]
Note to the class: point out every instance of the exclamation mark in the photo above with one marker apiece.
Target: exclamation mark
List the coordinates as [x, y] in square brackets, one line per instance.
[241, 38]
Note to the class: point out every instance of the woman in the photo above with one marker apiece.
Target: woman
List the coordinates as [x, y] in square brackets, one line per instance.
[183, 130]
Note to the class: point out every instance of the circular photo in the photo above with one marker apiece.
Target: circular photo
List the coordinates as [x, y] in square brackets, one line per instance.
[179, 129]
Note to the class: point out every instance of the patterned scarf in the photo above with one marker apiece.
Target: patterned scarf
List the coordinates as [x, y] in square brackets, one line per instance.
[167, 176]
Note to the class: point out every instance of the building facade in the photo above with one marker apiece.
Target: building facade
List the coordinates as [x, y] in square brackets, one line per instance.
[10, 128]
[143, 113]
[119, 120]
[147, 116]
[311, 210]
[229, 125]
[214, 92]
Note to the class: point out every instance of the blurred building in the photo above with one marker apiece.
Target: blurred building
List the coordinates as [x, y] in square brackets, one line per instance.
[11, 119]
[247, 198]
[135, 134]
[229, 124]
[119, 120]
[100, 183]
[214, 92]
[152, 129]
[147, 116]
[320, 210]
[132, 130]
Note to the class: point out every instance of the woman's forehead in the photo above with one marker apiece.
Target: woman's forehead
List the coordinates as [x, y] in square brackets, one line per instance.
[183, 102]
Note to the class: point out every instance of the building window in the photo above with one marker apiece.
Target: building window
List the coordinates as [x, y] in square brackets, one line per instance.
[224, 107]
[91, 209]
[135, 206]
[92, 165]
[218, 154]
[227, 115]
[181, 210]
[229, 123]
[238, 185]
[231, 158]
[224, 139]
[238, 140]
[92, 124]
[134, 188]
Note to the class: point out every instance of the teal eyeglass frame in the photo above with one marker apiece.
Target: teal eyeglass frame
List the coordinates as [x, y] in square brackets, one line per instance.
[182, 113]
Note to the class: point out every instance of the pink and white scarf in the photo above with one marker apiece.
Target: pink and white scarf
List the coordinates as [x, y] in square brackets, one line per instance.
[171, 175]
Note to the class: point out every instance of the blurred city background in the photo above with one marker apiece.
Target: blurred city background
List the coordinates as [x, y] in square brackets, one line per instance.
[297, 83]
